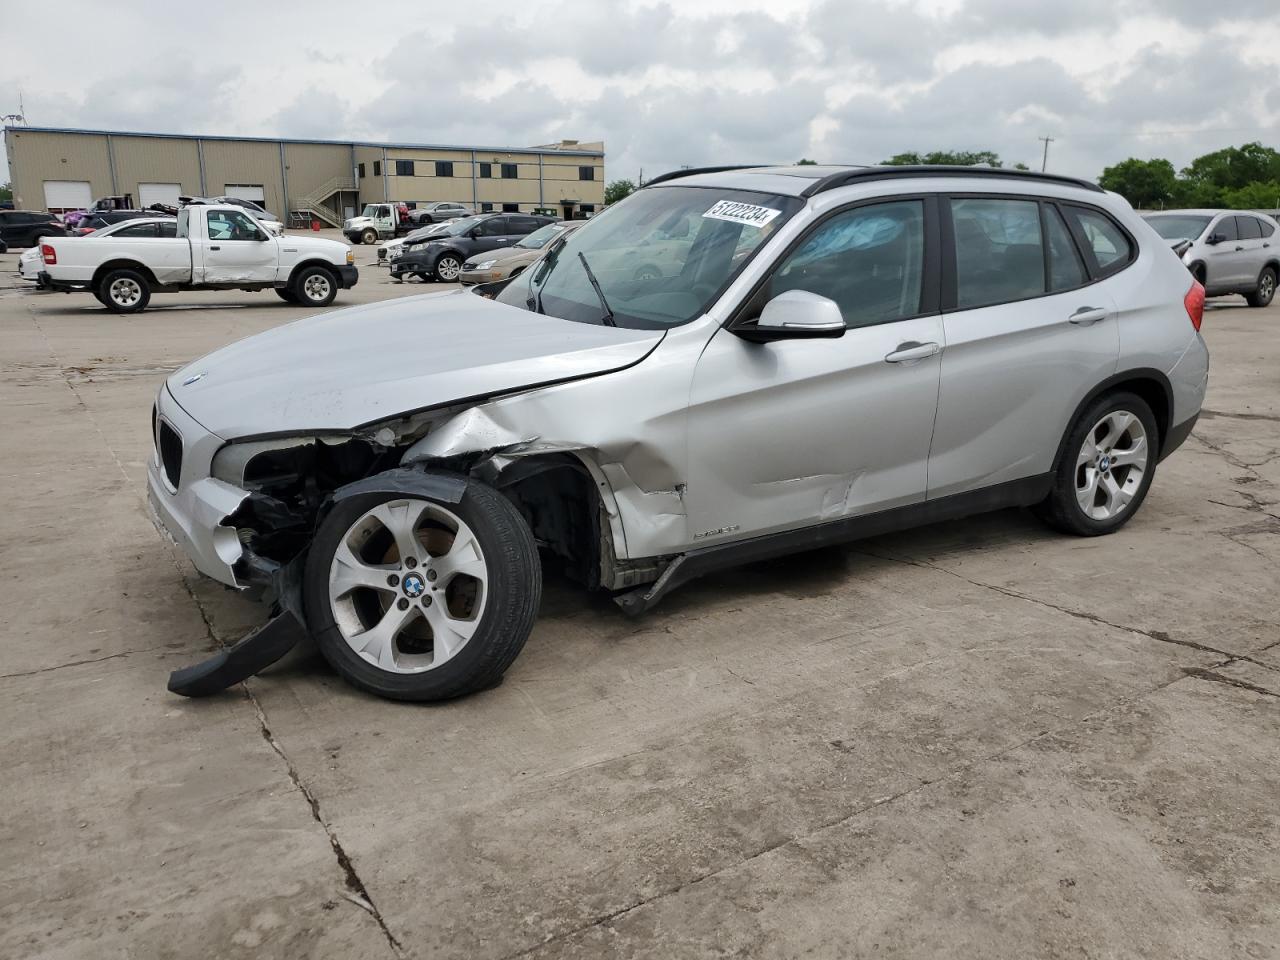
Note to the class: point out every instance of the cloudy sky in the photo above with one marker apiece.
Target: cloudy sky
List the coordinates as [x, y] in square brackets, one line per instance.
[667, 84]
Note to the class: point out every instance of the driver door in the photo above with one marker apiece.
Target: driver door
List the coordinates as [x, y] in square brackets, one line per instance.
[797, 432]
[233, 253]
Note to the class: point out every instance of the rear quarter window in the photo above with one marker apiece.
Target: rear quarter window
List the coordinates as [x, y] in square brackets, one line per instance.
[1102, 238]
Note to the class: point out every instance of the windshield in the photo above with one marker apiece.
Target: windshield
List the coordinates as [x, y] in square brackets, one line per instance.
[1178, 227]
[457, 228]
[541, 237]
[661, 256]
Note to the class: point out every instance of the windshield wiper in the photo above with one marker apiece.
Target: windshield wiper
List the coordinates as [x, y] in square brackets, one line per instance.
[608, 314]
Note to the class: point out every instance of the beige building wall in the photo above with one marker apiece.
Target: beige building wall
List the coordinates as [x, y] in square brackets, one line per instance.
[310, 166]
[36, 156]
[252, 162]
[155, 160]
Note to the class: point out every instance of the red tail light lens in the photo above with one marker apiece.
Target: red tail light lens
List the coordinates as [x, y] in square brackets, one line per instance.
[48, 253]
[1194, 302]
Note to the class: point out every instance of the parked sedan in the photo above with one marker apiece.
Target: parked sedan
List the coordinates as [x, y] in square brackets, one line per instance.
[438, 212]
[25, 228]
[442, 258]
[93, 222]
[31, 263]
[391, 249]
[509, 261]
[1228, 251]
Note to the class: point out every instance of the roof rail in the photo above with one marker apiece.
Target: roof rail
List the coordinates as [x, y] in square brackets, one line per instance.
[846, 177]
[694, 171]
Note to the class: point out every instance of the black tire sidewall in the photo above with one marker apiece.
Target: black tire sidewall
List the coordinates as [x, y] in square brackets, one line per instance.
[366, 233]
[442, 259]
[1062, 499]
[511, 601]
[285, 294]
[299, 286]
[1257, 299]
[104, 289]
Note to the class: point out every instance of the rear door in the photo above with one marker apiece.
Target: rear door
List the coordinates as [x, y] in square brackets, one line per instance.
[233, 253]
[1224, 260]
[1254, 255]
[492, 234]
[1030, 328]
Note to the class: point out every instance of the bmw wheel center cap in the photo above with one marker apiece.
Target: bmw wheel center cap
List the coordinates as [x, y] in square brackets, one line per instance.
[414, 586]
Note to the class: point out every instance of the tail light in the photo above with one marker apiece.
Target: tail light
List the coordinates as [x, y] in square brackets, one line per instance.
[48, 253]
[1194, 302]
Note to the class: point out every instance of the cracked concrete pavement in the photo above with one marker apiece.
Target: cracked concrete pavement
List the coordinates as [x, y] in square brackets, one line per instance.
[973, 739]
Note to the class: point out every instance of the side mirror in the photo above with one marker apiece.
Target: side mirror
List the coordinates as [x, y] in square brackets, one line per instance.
[474, 233]
[1214, 239]
[796, 315]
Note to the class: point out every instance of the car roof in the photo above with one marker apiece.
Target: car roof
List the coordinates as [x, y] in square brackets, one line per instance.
[1201, 212]
[810, 179]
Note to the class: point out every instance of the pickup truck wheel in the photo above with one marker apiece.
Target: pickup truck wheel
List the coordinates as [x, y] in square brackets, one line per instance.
[413, 598]
[124, 291]
[369, 236]
[285, 294]
[448, 267]
[314, 287]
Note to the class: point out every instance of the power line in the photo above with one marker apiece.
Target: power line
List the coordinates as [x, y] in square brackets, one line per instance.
[1044, 165]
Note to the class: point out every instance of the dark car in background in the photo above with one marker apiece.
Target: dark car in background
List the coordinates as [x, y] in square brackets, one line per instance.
[26, 228]
[442, 257]
[96, 221]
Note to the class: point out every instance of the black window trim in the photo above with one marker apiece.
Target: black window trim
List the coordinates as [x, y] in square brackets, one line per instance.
[748, 311]
[1094, 273]
[1048, 207]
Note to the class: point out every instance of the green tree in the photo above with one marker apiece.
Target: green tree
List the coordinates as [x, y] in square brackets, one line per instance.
[618, 190]
[1259, 195]
[802, 162]
[1020, 166]
[955, 158]
[6, 191]
[1144, 183]
[1234, 167]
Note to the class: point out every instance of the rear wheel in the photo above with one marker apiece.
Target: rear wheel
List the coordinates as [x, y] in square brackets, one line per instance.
[1266, 289]
[285, 294]
[448, 267]
[412, 598]
[1106, 467]
[314, 287]
[124, 291]
[370, 236]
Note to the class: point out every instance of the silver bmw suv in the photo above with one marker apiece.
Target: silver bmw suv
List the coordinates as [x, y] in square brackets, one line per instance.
[829, 353]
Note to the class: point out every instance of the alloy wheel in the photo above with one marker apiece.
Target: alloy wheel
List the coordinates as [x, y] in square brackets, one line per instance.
[448, 269]
[407, 585]
[317, 287]
[125, 292]
[1267, 286]
[1111, 464]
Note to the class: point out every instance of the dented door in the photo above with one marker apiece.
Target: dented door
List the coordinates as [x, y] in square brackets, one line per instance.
[232, 252]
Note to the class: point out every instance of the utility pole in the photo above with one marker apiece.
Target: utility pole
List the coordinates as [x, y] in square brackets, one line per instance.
[1044, 165]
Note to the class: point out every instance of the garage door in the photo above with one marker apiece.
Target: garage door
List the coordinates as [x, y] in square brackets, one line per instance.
[62, 195]
[166, 193]
[246, 191]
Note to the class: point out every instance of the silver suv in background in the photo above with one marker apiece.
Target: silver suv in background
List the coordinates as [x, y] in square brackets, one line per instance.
[1228, 251]
[828, 353]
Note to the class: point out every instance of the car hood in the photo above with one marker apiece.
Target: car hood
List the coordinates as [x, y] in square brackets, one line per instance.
[352, 367]
[507, 255]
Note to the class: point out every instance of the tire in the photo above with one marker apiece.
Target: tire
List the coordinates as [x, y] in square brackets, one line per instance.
[404, 659]
[447, 268]
[286, 294]
[1090, 458]
[369, 236]
[124, 291]
[1266, 289]
[314, 287]
[422, 277]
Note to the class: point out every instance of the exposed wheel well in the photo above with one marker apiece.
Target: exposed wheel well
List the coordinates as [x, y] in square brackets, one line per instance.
[110, 265]
[557, 497]
[1273, 264]
[1151, 385]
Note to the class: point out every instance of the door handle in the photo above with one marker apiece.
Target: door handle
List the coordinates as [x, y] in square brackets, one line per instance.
[911, 351]
[1266, 244]
[1087, 315]
[215, 248]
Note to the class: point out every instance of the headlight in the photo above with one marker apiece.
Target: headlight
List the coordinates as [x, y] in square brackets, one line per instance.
[351, 257]
[485, 265]
[229, 462]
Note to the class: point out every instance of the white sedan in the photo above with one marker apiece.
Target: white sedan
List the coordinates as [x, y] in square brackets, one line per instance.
[31, 262]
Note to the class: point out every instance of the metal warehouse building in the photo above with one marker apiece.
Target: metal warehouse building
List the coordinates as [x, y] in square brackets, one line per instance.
[63, 169]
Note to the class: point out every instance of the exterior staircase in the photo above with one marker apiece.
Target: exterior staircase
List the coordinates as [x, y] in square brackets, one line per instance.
[316, 204]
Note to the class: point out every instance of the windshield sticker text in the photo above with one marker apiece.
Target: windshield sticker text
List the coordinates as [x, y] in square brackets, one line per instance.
[745, 213]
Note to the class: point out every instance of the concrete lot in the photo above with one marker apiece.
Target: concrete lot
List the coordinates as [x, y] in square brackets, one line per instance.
[979, 739]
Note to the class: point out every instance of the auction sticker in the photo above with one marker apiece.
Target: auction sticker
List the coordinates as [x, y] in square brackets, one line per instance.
[746, 213]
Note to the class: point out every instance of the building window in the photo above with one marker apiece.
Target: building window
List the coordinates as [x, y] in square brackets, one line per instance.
[509, 171]
[360, 170]
[588, 208]
[404, 168]
[486, 208]
[586, 173]
[377, 168]
[486, 170]
[511, 208]
[444, 168]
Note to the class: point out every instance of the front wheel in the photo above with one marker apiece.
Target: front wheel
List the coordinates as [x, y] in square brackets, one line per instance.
[124, 291]
[314, 287]
[448, 267]
[1106, 467]
[413, 598]
[369, 236]
[1266, 289]
[285, 294]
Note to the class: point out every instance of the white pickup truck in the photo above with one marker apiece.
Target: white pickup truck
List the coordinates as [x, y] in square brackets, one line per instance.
[217, 247]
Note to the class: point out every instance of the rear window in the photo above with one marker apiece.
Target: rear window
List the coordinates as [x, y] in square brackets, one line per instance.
[1179, 227]
[1248, 228]
[1111, 247]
